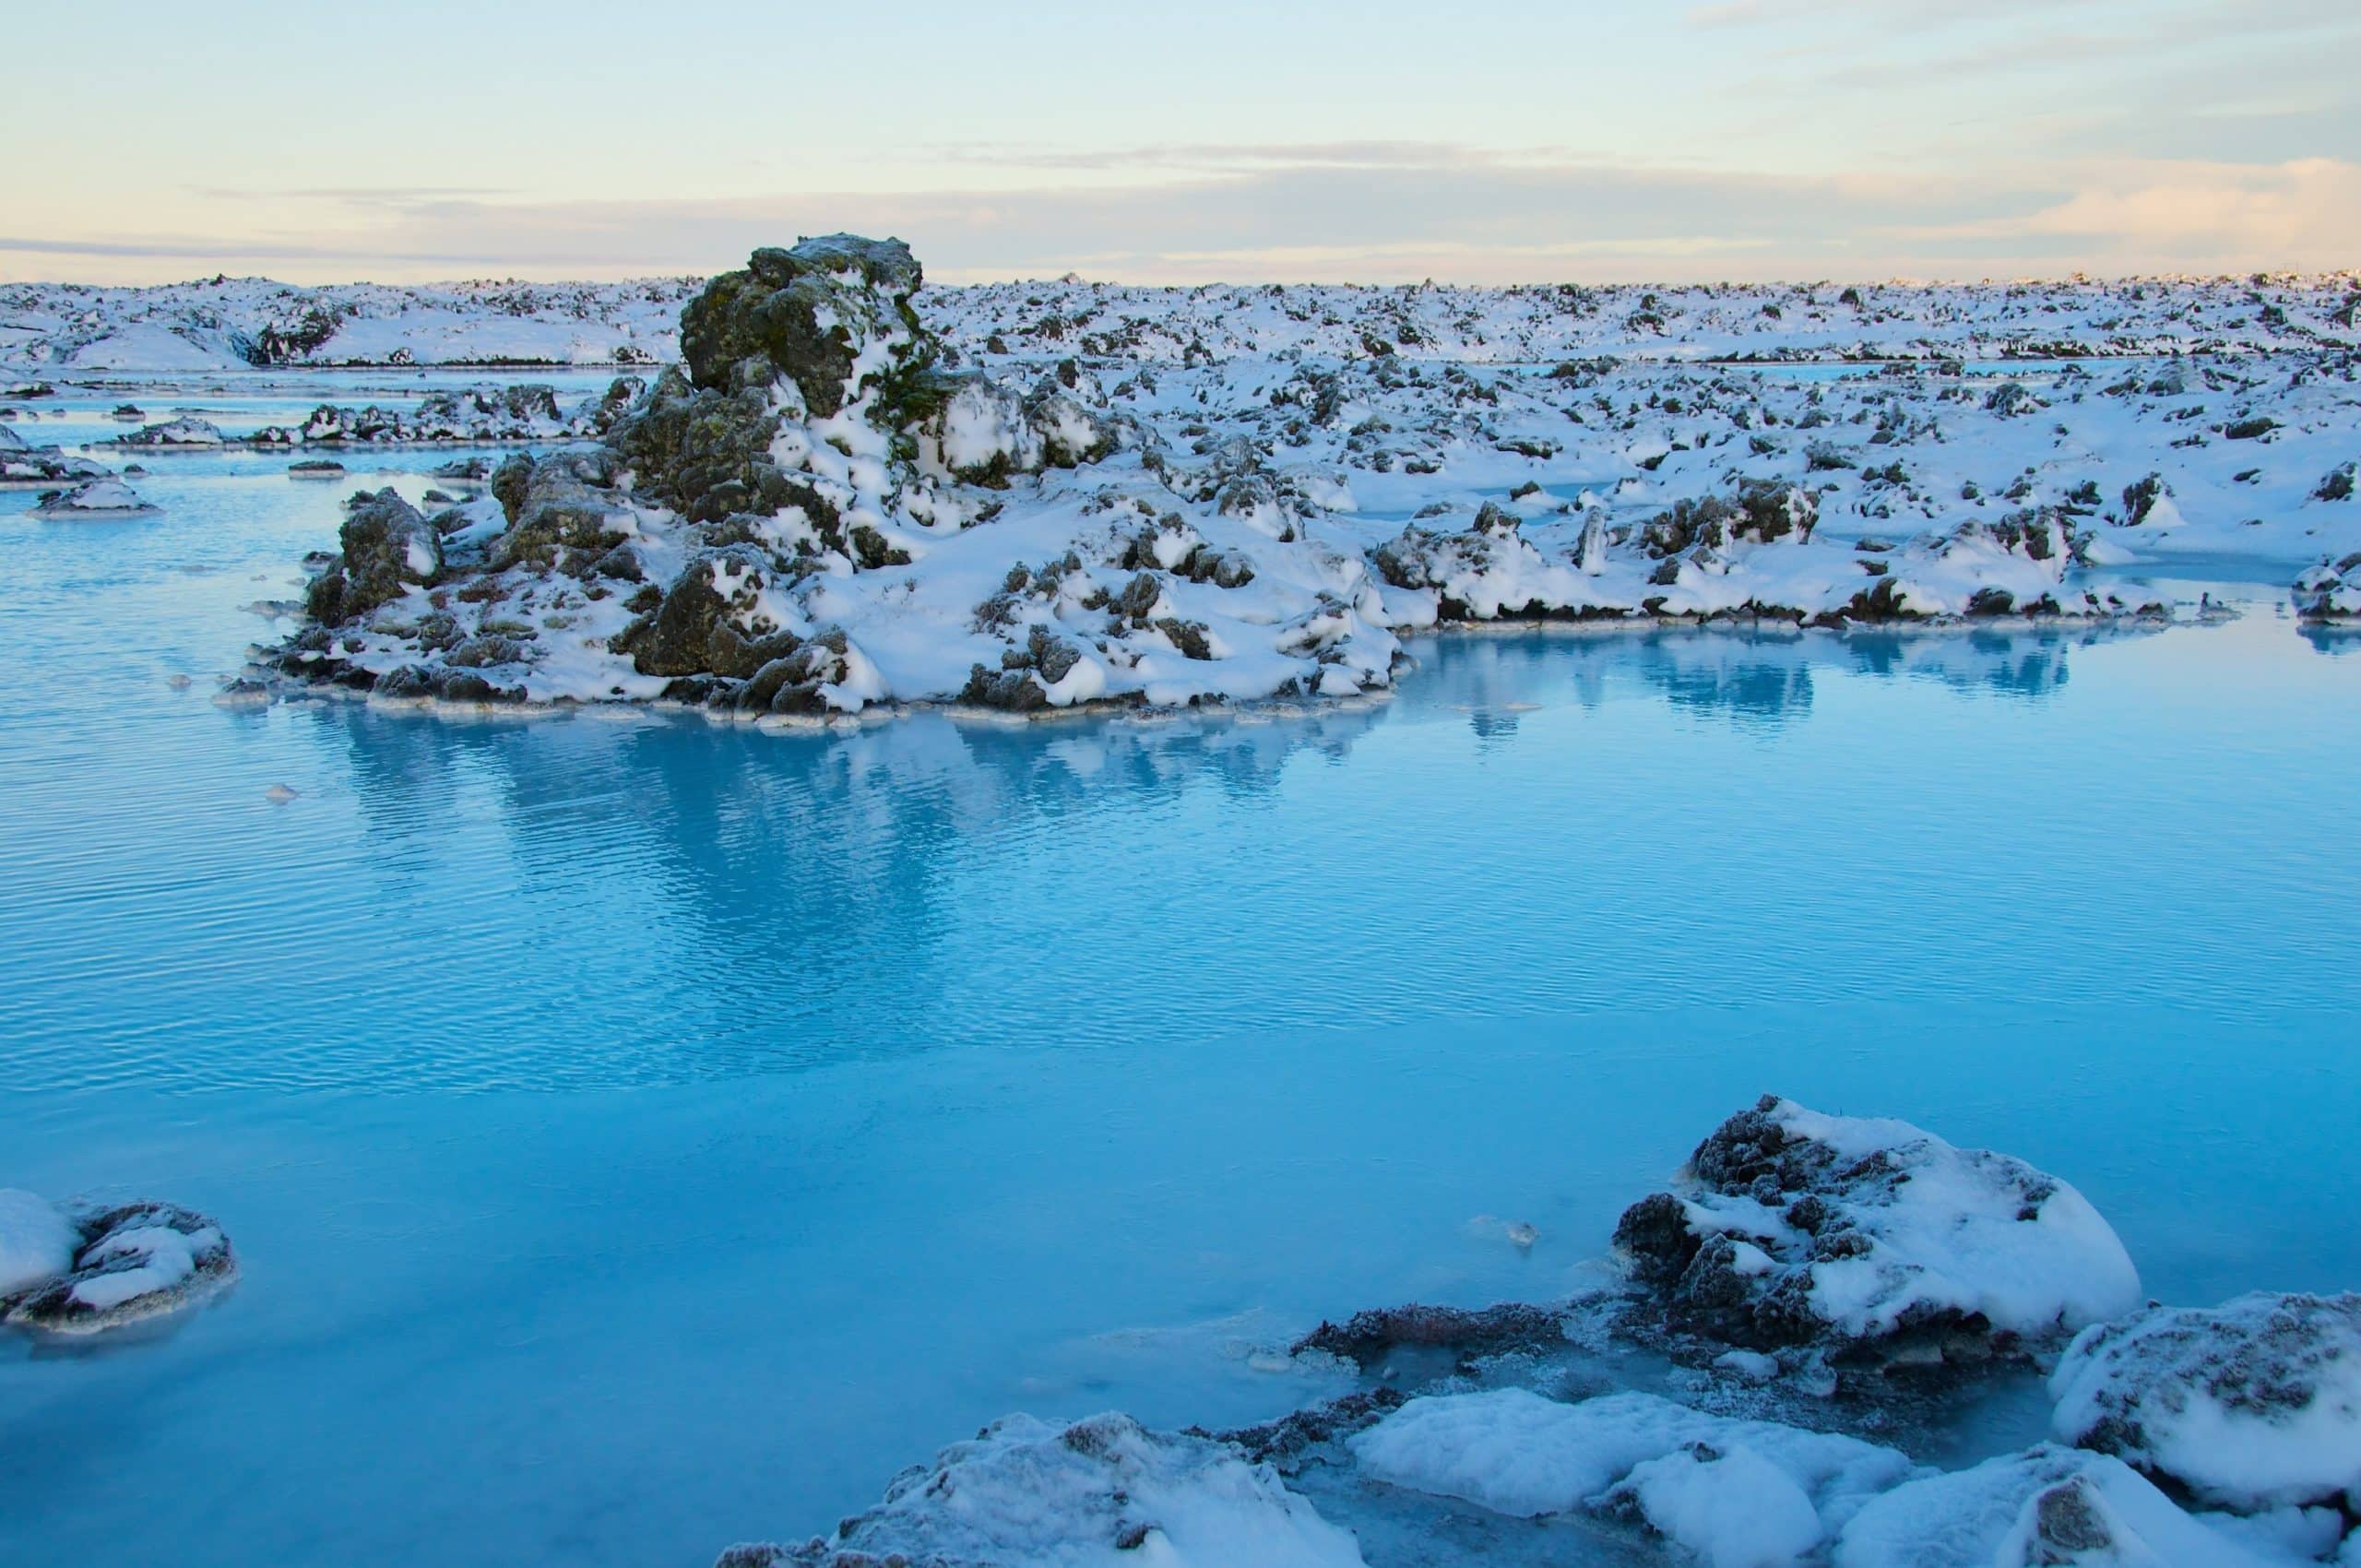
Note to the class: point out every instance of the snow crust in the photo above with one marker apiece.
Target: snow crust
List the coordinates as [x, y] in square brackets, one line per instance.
[2047, 1506]
[1739, 1492]
[1099, 1493]
[2252, 1405]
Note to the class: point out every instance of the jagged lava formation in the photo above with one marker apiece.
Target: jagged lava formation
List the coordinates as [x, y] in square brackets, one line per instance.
[819, 512]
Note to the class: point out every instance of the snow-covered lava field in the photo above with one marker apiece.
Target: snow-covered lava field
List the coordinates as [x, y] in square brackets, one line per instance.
[629, 1098]
[1033, 497]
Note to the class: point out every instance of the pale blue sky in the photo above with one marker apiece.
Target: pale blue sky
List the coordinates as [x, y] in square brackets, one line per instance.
[1801, 139]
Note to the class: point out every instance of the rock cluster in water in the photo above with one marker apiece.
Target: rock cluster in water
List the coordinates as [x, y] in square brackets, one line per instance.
[820, 510]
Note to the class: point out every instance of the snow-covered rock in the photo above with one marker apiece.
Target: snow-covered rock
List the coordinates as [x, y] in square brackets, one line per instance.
[1736, 1493]
[95, 500]
[234, 323]
[2252, 1405]
[387, 547]
[1100, 1493]
[1791, 1228]
[2048, 1507]
[2330, 590]
[41, 467]
[125, 1265]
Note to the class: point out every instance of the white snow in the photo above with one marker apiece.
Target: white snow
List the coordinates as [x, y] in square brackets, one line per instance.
[2046, 1506]
[2251, 1404]
[145, 1258]
[1099, 1493]
[1741, 1492]
[36, 1240]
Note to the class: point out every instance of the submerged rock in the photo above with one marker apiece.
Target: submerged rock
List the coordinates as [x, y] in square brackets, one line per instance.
[2254, 1404]
[1104, 1491]
[1791, 1229]
[1368, 1337]
[122, 1264]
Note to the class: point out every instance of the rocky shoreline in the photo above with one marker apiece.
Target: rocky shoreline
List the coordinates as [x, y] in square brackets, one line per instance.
[828, 508]
[1823, 1285]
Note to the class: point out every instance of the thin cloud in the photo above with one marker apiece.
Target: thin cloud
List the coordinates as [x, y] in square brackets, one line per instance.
[1351, 222]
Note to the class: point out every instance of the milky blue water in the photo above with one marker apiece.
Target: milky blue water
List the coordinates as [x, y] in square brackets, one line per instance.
[642, 1136]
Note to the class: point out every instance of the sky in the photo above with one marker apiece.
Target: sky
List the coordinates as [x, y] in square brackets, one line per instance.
[1741, 141]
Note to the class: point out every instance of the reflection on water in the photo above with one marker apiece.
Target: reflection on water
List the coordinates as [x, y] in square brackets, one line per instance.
[1753, 676]
[2332, 639]
[643, 1135]
[627, 898]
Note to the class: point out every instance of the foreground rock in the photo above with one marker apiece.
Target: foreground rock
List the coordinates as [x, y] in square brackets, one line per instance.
[2252, 1405]
[1871, 1239]
[1101, 1492]
[81, 1273]
[1827, 1240]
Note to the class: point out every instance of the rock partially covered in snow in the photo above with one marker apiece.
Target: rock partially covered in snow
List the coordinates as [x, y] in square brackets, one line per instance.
[2254, 1404]
[1100, 1493]
[1790, 1228]
[2329, 590]
[127, 1263]
[2045, 1508]
[388, 547]
[186, 431]
[95, 499]
[25, 466]
[1738, 1493]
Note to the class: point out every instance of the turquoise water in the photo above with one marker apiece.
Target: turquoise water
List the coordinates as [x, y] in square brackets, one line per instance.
[643, 1136]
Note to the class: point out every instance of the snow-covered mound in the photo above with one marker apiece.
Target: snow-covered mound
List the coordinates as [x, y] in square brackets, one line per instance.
[1099, 1493]
[106, 1267]
[95, 499]
[2254, 1404]
[2045, 1508]
[1791, 1228]
[1738, 1493]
